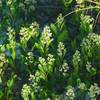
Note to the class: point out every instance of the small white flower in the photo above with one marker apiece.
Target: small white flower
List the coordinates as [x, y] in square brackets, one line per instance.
[64, 68]
[50, 59]
[25, 92]
[46, 36]
[29, 59]
[94, 91]
[70, 93]
[88, 66]
[61, 49]
[76, 59]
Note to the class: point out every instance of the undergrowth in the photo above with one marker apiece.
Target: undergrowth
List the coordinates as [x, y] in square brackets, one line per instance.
[55, 60]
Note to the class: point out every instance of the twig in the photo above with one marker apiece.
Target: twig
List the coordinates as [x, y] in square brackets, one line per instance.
[87, 8]
[94, 24]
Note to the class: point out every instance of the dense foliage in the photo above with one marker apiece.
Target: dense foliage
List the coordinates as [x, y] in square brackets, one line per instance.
[55, 59]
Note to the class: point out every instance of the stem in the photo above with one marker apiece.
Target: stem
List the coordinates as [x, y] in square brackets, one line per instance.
[87, 8]
[75, 11]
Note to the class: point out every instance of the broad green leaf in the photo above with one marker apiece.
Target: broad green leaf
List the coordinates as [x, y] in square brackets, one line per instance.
[63, 36]
[54, 29]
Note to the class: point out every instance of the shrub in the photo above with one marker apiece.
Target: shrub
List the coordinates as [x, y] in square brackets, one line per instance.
[45, 62]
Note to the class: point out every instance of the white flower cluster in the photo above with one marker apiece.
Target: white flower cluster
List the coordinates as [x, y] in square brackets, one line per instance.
[24, 34]
[88, 66]
[27, 33]
[46, 65]
[34, 28]
[11, 37]
[60, 20]
[67, 95]
[2, 59]
[86, 47]
[86, 23]
[34, 82]
[76, 59]
[88, 44]
[86, 18]
[61, 49]
[82, 86]
[94, 38]
[26, 90]
[50, 60]
[46, 37]
[33, 87]
[11, 33]
[70, 93]
[64, 68]
[34, 78]
[91, 40]
[94, 91]
[29, 59]
[42, 62]
[2, 62]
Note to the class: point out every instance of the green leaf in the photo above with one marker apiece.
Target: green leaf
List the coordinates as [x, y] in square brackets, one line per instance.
[33, 96]
[54, 29]
[39, 47]
[1, 94]
[41, 69]
[49, 69]
[63, 36]
[10, 82]
[93, 71]
[13, 53]
[2, 48]
[43, 75]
